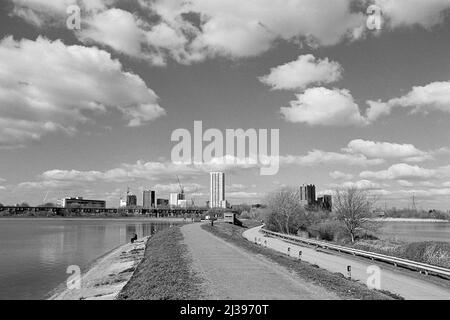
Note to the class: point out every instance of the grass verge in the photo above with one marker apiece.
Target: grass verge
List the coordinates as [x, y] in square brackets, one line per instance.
[164, 273]
[430, 252]
[335, 282]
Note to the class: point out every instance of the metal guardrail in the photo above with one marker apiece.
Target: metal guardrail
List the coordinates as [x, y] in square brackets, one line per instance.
[422, 267]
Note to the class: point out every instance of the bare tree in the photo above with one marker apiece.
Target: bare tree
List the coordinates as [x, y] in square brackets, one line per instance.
[353, 208]
[286, 213]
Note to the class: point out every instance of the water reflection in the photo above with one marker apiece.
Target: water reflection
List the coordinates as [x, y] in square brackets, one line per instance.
[36, 252]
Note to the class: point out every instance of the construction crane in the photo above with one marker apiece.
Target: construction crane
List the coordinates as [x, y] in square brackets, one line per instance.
[181, 187]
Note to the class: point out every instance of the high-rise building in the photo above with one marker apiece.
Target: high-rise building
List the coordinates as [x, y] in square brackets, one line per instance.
[308, 194]
[174, 199]
[122, 203]
[162, 202]
[131, 200]
[148, 199]
[217, 190]
[325, 202]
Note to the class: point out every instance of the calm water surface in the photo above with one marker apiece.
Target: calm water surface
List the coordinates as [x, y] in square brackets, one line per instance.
[35, 253]
[416, 231]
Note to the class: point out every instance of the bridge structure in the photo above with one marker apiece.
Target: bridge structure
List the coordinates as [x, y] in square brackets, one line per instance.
[150, 212]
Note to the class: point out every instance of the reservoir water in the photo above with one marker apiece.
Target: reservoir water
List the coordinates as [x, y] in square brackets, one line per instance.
[35, 253]
[412, 231]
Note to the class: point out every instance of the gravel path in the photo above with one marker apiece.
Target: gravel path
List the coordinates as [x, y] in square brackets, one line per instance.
[230, 272]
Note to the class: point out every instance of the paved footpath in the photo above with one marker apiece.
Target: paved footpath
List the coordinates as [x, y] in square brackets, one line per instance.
[395, 281]
[230, 272]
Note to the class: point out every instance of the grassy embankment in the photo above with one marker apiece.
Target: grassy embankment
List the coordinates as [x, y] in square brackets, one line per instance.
[430, 252]
[164, 273]
[336, 282]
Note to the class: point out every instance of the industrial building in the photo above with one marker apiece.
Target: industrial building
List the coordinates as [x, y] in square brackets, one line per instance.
[148, 199]
[217, 190]
[131, 200]
[122, 203]
[79, 202]
[162, 203]
[175, 198]
[325, 202]
[308, 194]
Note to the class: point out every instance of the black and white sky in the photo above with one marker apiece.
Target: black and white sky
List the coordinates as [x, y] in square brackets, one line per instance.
[89, 112]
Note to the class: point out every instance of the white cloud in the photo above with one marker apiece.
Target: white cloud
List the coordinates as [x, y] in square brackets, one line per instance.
[244, 195]
[235, 187]
[412, 184]
[337, 175]
[46, 86]
[362, 184]
[410, 12]
[432, 97]
[323, 157]
[386, 150]
[115, 28]
[301, 73]
[322, 106]
[175, 187]
[400, 171]
[230, 28]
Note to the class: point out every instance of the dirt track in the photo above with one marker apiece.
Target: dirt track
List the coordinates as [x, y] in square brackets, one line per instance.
[230, 272]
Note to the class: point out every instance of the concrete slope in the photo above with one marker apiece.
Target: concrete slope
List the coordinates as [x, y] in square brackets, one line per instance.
[230, 272]
[396, 281]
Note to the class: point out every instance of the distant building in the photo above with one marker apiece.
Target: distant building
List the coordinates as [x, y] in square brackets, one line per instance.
[131, 200]
[217, 190]
[325, 202]
[174, 198]
[122, 203]
[79, 202]
[308, 194]
[162, 202]
[148, 199]
[185, 203]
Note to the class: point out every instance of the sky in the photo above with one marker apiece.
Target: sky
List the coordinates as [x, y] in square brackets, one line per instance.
[90, 111]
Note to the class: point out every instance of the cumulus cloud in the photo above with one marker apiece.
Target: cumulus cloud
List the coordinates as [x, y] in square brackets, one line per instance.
[400, 171]
[432, 97]
[232, 28]
[175, 187]
[411, 12]
[338, 175]
[412, 184]
[229, 28]
[322, 106]
[115, 28]
[387, 150]
[46, 86]
[361, 184]
[303, 72]
[324, 157]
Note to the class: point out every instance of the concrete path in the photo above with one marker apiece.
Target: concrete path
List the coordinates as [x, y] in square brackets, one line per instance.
[230, 272]
[395, 281]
